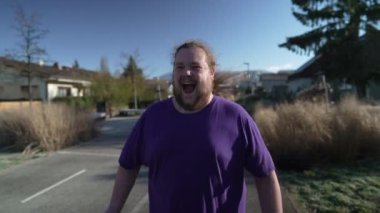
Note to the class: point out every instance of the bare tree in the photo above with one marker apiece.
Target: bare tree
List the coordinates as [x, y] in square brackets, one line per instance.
[30, 33]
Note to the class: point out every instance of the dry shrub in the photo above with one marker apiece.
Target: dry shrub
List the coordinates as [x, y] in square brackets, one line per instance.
[15, 130]
[48, 128]
[302, 134]
[356, 130]
[297, 133]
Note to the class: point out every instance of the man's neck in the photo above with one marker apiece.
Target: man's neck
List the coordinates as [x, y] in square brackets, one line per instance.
[184, 111]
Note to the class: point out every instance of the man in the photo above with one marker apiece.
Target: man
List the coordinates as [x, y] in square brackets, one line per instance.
[196, 146]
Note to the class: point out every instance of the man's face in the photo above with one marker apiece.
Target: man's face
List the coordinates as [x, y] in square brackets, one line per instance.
[192, 79]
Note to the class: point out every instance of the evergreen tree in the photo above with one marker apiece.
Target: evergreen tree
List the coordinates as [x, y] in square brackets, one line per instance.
[135, 75]
[112, 90]
[104, 65]
[335, 36]
[76, 64]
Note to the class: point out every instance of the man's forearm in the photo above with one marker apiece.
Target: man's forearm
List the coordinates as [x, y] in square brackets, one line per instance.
[125, 179]
[269, 192]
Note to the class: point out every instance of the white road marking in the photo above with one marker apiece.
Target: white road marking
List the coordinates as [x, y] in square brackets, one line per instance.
[106, 128]
[89, 154]
[140, 204]
[53, 186]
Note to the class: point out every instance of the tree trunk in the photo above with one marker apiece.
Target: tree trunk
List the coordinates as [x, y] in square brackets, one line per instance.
[361, 89]
[29, 83]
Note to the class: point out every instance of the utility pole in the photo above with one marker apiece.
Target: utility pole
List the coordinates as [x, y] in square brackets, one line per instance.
[249, 76]
[134, 88]
[247, 63]
[159, 88]
[326, 91]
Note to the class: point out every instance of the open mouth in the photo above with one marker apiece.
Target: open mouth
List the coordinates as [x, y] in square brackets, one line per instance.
[188, 87]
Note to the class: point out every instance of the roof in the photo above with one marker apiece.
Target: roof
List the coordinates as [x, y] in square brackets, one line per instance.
[50, 71]
[307, 70]
[273, 76]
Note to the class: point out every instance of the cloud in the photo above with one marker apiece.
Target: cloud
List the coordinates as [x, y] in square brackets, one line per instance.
[280, 67]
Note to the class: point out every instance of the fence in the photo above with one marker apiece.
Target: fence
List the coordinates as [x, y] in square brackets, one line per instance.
[6, 105]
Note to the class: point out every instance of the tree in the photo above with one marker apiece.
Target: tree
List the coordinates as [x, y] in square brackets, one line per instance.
[136, 77]
[30, 32]
[337, 25]
[76, 64]
[104, 65]
[109, 89]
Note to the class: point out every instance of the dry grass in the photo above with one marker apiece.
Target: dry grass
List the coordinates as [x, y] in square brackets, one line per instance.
[304, 133]
[47, 128]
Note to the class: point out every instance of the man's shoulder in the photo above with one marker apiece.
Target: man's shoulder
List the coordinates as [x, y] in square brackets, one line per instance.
[229, 106]
[158, 107]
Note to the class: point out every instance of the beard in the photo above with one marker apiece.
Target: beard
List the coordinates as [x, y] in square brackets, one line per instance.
[198, 98]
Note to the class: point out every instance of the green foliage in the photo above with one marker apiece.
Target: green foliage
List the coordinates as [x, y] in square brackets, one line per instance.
[133, 74]
[76, 102]
[76, 64]
[335, 35]
[350, 188]
[115, 91]
[132, 70]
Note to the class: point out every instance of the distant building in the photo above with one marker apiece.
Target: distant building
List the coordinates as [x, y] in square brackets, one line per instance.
[269, 81]
[47, 82]
[308, 76]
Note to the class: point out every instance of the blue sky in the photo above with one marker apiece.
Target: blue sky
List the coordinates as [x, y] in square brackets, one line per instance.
[238, 31]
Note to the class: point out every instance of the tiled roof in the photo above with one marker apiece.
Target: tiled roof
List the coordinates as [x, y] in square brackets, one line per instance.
[50, 70]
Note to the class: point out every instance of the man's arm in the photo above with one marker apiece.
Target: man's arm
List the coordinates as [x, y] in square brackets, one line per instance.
[125, 179]
[269, 192]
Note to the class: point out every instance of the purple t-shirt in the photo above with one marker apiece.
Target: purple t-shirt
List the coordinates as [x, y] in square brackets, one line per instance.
[196, 161]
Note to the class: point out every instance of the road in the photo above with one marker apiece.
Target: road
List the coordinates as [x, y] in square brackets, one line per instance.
[80, 178]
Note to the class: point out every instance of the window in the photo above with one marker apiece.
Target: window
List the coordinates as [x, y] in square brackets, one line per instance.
[64, 92]
[34, 91]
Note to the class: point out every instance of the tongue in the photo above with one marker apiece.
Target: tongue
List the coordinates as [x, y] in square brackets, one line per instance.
[188, 88]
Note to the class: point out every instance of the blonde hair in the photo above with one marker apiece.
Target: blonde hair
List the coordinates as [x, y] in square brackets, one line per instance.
[193, 43]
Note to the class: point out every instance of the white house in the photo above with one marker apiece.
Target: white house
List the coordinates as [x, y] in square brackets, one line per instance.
[47, 82]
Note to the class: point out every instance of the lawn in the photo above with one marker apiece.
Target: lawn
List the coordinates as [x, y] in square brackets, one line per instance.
[345, 188]
[11, 159]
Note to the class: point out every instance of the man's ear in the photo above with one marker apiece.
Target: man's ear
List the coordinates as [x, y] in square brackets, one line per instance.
[212, 73]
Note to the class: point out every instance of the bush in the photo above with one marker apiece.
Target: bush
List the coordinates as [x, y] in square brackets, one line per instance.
[46, 128]
[76, 102]
[302, 134]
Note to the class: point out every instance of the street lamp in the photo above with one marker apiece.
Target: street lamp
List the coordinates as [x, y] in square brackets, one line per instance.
[247, 63]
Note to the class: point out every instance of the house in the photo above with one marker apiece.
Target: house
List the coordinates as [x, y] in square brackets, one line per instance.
[269, 81]
[14, 84]
[305, 76]
[66, 81]
[47, 82]
[308, 78]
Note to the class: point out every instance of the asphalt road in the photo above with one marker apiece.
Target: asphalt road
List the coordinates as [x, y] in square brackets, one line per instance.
[80, 178]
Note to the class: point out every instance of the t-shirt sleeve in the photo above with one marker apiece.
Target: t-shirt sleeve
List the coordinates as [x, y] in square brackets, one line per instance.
[131, 155]
[258, 160]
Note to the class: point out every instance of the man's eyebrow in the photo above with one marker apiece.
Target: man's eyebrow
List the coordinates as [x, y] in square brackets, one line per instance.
[195, 63]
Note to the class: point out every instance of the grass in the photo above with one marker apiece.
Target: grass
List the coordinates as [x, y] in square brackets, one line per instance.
[11, 159]
[354, 187]
[327, 156]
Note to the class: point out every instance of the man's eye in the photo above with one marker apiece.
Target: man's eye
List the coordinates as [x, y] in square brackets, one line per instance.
[196, 67]
[179, 67]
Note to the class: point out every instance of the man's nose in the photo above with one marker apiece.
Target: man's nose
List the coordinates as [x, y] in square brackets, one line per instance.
[188, 72]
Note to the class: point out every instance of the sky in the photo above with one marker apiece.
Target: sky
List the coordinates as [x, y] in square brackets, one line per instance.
[238, 32]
